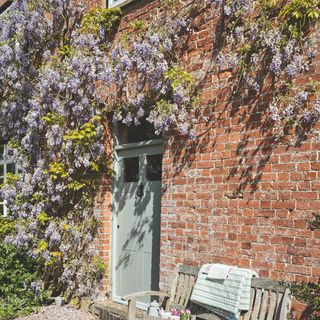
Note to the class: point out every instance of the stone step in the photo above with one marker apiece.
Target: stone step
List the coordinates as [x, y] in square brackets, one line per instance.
[110, 310]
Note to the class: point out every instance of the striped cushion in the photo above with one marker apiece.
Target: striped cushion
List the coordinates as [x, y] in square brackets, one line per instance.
[226, 298]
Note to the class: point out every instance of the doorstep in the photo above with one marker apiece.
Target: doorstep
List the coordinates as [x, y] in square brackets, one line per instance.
[111, 310]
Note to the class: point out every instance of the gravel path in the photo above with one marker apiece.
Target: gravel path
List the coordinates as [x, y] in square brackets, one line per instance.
[59, 313]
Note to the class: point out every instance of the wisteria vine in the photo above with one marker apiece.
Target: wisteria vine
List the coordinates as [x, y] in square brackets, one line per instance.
[268, 44]
[61, 74]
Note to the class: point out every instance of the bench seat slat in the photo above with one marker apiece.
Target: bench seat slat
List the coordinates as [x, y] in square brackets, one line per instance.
[282, 305]
[257, 304]
[252, 296]
[190, 287]
[183, 298]
[272, 305]
[264, 304]
[179, 289]
[173, 283]
[285, 305]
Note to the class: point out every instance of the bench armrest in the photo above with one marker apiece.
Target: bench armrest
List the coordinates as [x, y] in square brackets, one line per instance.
[135, 295]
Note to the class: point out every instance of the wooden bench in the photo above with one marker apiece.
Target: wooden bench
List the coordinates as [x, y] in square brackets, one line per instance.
[270, 300]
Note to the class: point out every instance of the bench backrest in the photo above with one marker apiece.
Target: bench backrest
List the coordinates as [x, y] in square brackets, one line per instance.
[270, 300]
[181, 285]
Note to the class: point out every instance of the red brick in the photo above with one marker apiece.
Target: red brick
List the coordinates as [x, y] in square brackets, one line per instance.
[238, 196]
[246, 245]
[282, 240]
[315, 165]
[298, 260]
[304, 195]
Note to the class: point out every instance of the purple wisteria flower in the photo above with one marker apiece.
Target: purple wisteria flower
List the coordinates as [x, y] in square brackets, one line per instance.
[181, 23]
[239, 33]
[221, 58]
[316, 107]
[219, 2]
[289, 50]
[276, 63]
[252, 83]
[36, 287]
[274, 112]
[155, 39]
[289, 110]
[302, 97]
[295, 66]
[55, 238]
[227, 10]
[308, 117]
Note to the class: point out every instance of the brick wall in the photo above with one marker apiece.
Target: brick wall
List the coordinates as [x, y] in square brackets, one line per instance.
[237, 195]
[103, 207]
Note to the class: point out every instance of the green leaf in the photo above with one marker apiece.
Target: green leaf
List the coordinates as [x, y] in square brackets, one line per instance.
[42, 246]
[43, 217]
[99, 17]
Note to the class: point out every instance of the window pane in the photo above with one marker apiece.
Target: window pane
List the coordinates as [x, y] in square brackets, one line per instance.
[1, 181]
[11, 167]
[131, 169]
[1, 151]
[1, 169]
[154, 167]
[1, 209]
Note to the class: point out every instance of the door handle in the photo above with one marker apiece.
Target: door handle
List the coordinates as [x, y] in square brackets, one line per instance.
[140, 190]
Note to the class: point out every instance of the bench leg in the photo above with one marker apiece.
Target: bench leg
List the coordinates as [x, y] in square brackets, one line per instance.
[131, 309]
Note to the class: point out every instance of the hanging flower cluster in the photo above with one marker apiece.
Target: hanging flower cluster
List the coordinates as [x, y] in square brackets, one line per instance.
[148, 83]
[270, 43]
[60, 75]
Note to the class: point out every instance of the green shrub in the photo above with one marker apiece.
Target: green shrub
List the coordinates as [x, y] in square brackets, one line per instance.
[19, 292]
[309, 293]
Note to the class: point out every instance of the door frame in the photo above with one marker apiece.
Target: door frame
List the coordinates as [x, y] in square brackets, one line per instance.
[114, 208]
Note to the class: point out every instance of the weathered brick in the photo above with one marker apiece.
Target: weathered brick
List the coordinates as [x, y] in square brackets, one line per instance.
[239, 197]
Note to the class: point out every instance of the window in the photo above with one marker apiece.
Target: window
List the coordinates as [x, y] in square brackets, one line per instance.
[133, 134]
[4, 5]
[154, 167]
[131, 169]
[5, 168]
[120, 3]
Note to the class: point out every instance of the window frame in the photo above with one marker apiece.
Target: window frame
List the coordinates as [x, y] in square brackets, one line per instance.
[5, 163]
[4, 5]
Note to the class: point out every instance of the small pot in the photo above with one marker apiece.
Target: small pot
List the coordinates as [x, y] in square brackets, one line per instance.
[154, 309]
[58, 301]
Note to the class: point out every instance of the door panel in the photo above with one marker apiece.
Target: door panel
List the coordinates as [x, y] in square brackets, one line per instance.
[137, 220]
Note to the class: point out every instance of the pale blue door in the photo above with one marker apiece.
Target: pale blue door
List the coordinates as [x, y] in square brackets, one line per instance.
[136, 218]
